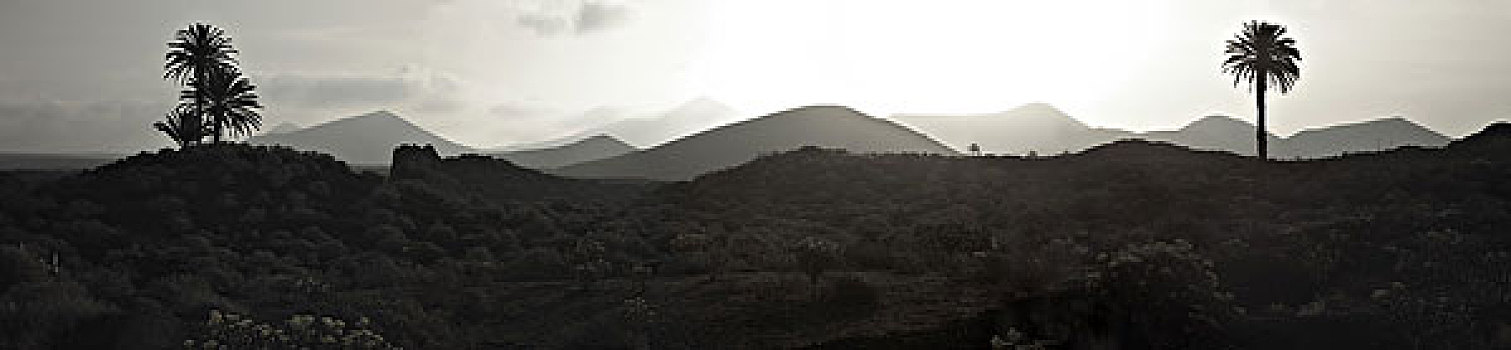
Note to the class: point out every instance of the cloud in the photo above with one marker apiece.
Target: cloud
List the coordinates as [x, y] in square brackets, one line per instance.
[335, 91]
[577, 18]
[418, 87]
[594, 16]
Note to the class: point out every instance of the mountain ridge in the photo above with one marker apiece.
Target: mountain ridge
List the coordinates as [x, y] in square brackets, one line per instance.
[588, 149]
[361, 139]
[1042, 128]
[738, 142]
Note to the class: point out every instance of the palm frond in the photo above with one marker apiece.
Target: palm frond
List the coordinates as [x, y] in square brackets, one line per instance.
[196, 50]
[183, 125]
[1262, 52]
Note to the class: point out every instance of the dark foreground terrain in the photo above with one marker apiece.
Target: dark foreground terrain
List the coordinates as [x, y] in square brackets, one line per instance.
[1131, 245]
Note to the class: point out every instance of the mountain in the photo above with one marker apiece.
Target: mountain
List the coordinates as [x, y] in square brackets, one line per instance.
[588, 149]
[686, 119]
[282, 128]
[642, 131]
[1221, 133]
[363, 139]
[1044, 129]
[1034, 127]
[1371, 135]
[733, 144]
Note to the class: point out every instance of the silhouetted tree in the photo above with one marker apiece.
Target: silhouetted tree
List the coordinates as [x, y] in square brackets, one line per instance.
[200, 57]
[183, 125]
[230, 100]
[1262, 55]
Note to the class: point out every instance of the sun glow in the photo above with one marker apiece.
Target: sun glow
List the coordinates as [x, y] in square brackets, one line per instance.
[925, 56]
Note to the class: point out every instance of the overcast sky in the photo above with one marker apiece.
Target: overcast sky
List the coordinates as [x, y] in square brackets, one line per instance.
[86, 75]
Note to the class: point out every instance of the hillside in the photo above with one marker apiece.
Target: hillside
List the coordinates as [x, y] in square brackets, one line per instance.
[1130, 244]
[498, 180]
[363, 139]
[729, 145]
[588, 149]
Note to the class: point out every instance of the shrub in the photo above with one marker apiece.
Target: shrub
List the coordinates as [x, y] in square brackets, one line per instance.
[1169, 291]
[229, 330]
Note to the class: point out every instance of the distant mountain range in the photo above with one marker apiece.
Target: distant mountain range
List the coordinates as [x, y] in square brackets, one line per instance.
[733, 144]
[648, 130]
[1043, 129]
[282, 128]
[588, 149]
[1034, 127]
[689, 118]
[1379, 134]
[364, 139]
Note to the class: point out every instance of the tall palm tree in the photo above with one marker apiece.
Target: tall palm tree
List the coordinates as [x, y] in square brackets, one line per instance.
[230, 102]
[1261, 55]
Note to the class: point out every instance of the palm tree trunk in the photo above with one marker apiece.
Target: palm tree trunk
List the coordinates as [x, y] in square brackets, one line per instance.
[1261, 144]
[199, 104]
[218, 123]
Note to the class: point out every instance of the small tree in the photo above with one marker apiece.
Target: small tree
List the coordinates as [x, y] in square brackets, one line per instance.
[814, 256]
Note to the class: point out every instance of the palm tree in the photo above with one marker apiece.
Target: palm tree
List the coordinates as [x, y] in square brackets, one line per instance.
[184, 126]
[1262, 55]
[200, 56]
[230, 101]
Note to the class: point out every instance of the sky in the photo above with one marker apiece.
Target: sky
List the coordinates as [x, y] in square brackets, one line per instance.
[86, 76]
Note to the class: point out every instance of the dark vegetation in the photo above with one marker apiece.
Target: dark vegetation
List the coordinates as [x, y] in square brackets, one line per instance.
[1130, 244]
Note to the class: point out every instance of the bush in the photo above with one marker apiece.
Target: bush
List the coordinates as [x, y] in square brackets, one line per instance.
[230, 330]
[1170, 293]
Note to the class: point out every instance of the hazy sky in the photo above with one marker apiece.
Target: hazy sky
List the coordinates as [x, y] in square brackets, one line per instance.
[86, 75]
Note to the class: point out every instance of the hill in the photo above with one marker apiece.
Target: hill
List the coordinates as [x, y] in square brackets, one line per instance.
[643, 131]
[362, 139]
[1371, 135]
[282, 128]
[1130, 244]
[686, 119]
[729, 145]
[1036, 127]
[1046, 130]
[588, 149]
[1221, 133]
[499, 180]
